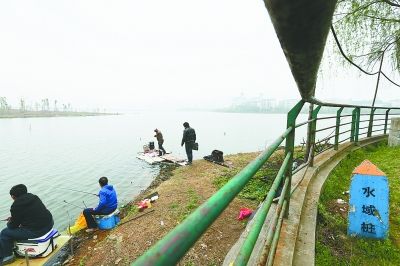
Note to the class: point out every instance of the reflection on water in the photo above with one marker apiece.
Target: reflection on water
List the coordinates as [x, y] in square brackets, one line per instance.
[51, 155]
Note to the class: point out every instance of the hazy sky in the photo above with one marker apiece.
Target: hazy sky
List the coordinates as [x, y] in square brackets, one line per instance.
[133, 54]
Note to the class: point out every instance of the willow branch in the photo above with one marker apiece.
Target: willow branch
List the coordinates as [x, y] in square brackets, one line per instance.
[356, 10]
[354, 64]
[391, 81]
[382, 19]
[345, 56]
[391, 3]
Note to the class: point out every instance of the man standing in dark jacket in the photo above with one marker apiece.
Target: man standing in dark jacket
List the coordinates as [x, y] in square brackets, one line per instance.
[160, 140]
[107, 204]
[189, 138]
[29, 219]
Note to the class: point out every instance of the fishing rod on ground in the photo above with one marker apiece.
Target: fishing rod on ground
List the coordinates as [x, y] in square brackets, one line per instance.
[137, 217]
[70, 189]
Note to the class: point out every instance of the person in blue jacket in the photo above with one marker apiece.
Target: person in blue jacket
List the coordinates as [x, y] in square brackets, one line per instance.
[107, 204]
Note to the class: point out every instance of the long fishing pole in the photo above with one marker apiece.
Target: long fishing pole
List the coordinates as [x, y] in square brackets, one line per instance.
[70, 189]
[137, 217]
[73, 205]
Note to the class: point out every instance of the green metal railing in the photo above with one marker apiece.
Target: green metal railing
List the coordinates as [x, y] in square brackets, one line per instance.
[170, 249]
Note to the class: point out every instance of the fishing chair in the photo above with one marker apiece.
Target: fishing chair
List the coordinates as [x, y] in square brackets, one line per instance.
[38, 247]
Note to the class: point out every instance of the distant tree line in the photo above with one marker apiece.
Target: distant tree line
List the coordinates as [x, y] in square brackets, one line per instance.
[43, 105]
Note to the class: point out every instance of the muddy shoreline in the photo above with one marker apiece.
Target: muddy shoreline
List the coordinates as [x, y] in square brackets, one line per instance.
[181, 190]
[81, 238]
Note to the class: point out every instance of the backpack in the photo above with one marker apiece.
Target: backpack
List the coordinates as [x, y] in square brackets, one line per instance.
[217, 156]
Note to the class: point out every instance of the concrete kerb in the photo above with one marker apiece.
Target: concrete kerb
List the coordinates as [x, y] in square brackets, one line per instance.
[297, 241]
[299, 228]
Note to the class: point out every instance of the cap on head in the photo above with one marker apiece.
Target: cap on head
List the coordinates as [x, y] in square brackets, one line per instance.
[156, 130]
[103, 181]
[18, 190]
[186, 124]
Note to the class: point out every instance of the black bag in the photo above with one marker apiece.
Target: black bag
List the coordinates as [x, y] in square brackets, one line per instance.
[217, 156]
[195, 146]
[151, 145]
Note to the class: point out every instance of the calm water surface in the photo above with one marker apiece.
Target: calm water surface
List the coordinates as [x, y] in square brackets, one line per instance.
[53, 154]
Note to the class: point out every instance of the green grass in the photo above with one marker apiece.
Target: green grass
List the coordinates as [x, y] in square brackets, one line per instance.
[333, 246]
[82, 261]
[192, 202]
[258, 186]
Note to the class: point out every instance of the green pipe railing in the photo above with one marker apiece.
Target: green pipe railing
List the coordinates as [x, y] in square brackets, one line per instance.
[337, 130]
[289, 146]
[277, 234]
[170, 249]
[386, 120]
[259, 219]
[313, 133]
[274, 229]
[371, 122]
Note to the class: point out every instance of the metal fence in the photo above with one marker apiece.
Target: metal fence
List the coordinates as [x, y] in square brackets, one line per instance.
[347, 125]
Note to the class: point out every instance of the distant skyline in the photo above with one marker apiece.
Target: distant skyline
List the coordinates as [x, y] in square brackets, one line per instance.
[154, 54]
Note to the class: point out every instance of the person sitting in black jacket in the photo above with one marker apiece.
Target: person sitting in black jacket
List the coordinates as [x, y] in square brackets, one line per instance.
[29, 219]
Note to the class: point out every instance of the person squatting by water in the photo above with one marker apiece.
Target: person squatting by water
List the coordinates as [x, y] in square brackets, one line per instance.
[160, 140]
[107, 204]
[189, 138]
[29, 219]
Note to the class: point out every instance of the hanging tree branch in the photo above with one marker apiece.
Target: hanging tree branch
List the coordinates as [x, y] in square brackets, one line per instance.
[354, 64]
[391, 3]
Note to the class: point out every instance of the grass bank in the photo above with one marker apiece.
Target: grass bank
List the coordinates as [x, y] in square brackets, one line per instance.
[333, 246]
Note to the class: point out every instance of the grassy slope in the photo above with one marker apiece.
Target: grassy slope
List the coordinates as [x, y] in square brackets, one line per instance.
[334, 247]
[258, 186]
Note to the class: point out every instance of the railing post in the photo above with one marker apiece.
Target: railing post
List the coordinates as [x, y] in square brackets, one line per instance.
[357, 125]
[313, 133]
[289, 147]
[371, 122]
[337, 131]
[308, 142]
[386, 120]
[353, 124]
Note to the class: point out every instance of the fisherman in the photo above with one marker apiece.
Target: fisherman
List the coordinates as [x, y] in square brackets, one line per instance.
[189, 138]
[29, 219]
[107, 204]
[160, 140]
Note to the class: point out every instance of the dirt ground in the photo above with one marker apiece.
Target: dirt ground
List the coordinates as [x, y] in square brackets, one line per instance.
[186, 189]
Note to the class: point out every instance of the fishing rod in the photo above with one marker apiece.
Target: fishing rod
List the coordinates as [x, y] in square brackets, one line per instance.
[73, 205]
[137, 217]
[70, 189]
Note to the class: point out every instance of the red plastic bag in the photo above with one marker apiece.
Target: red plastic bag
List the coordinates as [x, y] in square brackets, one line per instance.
[244, 213]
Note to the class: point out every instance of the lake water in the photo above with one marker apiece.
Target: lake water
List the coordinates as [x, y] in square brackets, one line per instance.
[50, 155]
